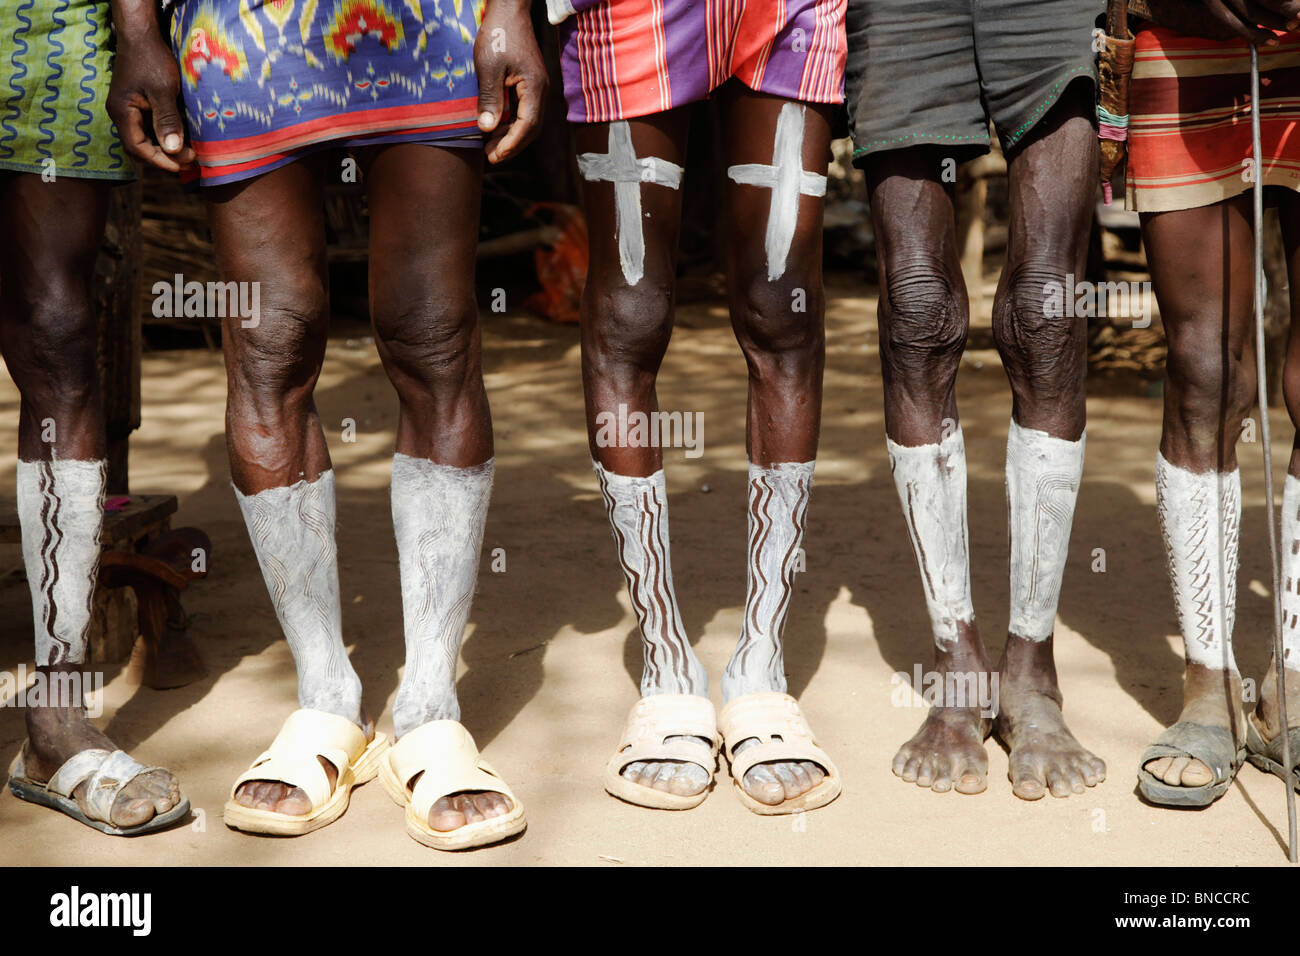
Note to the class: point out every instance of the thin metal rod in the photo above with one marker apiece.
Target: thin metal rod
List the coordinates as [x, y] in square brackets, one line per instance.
[1261, 372]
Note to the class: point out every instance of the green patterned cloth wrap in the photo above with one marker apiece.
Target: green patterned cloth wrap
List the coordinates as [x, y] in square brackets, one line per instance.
[56, 61]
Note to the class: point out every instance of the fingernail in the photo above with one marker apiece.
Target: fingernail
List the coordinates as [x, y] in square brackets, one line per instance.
[172, 142]
[486, 119]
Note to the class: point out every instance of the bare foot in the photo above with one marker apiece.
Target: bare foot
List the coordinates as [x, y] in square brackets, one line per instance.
[947, 753]
[57, 733]
[1045, 757]
[276, 796]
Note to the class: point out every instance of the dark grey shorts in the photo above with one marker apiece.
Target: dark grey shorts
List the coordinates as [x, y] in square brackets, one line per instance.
[934, 72]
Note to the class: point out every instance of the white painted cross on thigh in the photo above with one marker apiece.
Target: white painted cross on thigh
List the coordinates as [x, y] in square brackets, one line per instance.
[787, 179]
[622, 167]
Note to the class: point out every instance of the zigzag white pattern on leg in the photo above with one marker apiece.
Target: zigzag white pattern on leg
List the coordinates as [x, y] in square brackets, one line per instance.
[1200, 519]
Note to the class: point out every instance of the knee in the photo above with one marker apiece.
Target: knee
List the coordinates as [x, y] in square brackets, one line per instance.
[1212, 387]
[926, 317]
[627, 326]
[1042, 348]
[278, 361]
[428, 345]
[780, 328]
[62, 346]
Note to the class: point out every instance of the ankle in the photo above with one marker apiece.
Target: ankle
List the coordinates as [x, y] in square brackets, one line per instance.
[737, 683]
[694, 681]
[1029, 665]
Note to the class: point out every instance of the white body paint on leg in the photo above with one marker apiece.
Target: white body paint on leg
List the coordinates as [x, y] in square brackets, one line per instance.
[1291, 573]
[931, 483]
[292, 530]
[1200, 518]
[778, 509]
[61, 512]
[638, 519]
[787, 179]
[438, 517]
[1043, 475]
[627, 172]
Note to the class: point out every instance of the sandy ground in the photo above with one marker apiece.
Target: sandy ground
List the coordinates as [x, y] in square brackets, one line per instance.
[552, 656]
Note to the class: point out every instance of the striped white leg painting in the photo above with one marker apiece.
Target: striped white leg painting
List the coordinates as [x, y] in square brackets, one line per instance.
[61, 513]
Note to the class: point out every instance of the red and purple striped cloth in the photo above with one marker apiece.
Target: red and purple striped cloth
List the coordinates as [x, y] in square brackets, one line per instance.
[627, 58]
[1189, 140]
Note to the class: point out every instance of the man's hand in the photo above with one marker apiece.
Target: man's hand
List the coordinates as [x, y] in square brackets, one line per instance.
[506, 57]
[1250, 20]
[144, 99]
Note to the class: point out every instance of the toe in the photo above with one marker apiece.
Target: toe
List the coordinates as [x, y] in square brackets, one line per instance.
[801, 778]
[633, 771]
[664, 778]
[899, 764]
[131, 811]
[294, 804]
[911, 769]
[1098, 767]
[1087, 771]
[688, 780]
[444, 816]
[925, 773]
[1158, 767]
[488, 805]
[971, 781]
[648, 774]
[1026, 781]
[815, 774]
[763, 786]
[784, 773]
[1196, 774]
[1173, 774]
[1062, 781]
[465, 804]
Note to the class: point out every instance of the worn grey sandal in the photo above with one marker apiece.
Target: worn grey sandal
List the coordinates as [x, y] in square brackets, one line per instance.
[107, 772]
[1267, 756]
[1213, 746]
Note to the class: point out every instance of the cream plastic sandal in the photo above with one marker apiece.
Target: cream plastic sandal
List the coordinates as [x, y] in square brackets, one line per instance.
[652, 721]
[443, 753]
[291, 759]
[783, 735]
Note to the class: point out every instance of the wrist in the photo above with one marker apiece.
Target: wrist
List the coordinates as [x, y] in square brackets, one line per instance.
[508, 6]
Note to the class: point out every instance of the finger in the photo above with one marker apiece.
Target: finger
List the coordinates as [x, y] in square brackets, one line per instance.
[1289, 10]
[167, 127]
[525, 125]
[1234, 23]
[491, 96]
[1261, 14]
[139, 144]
